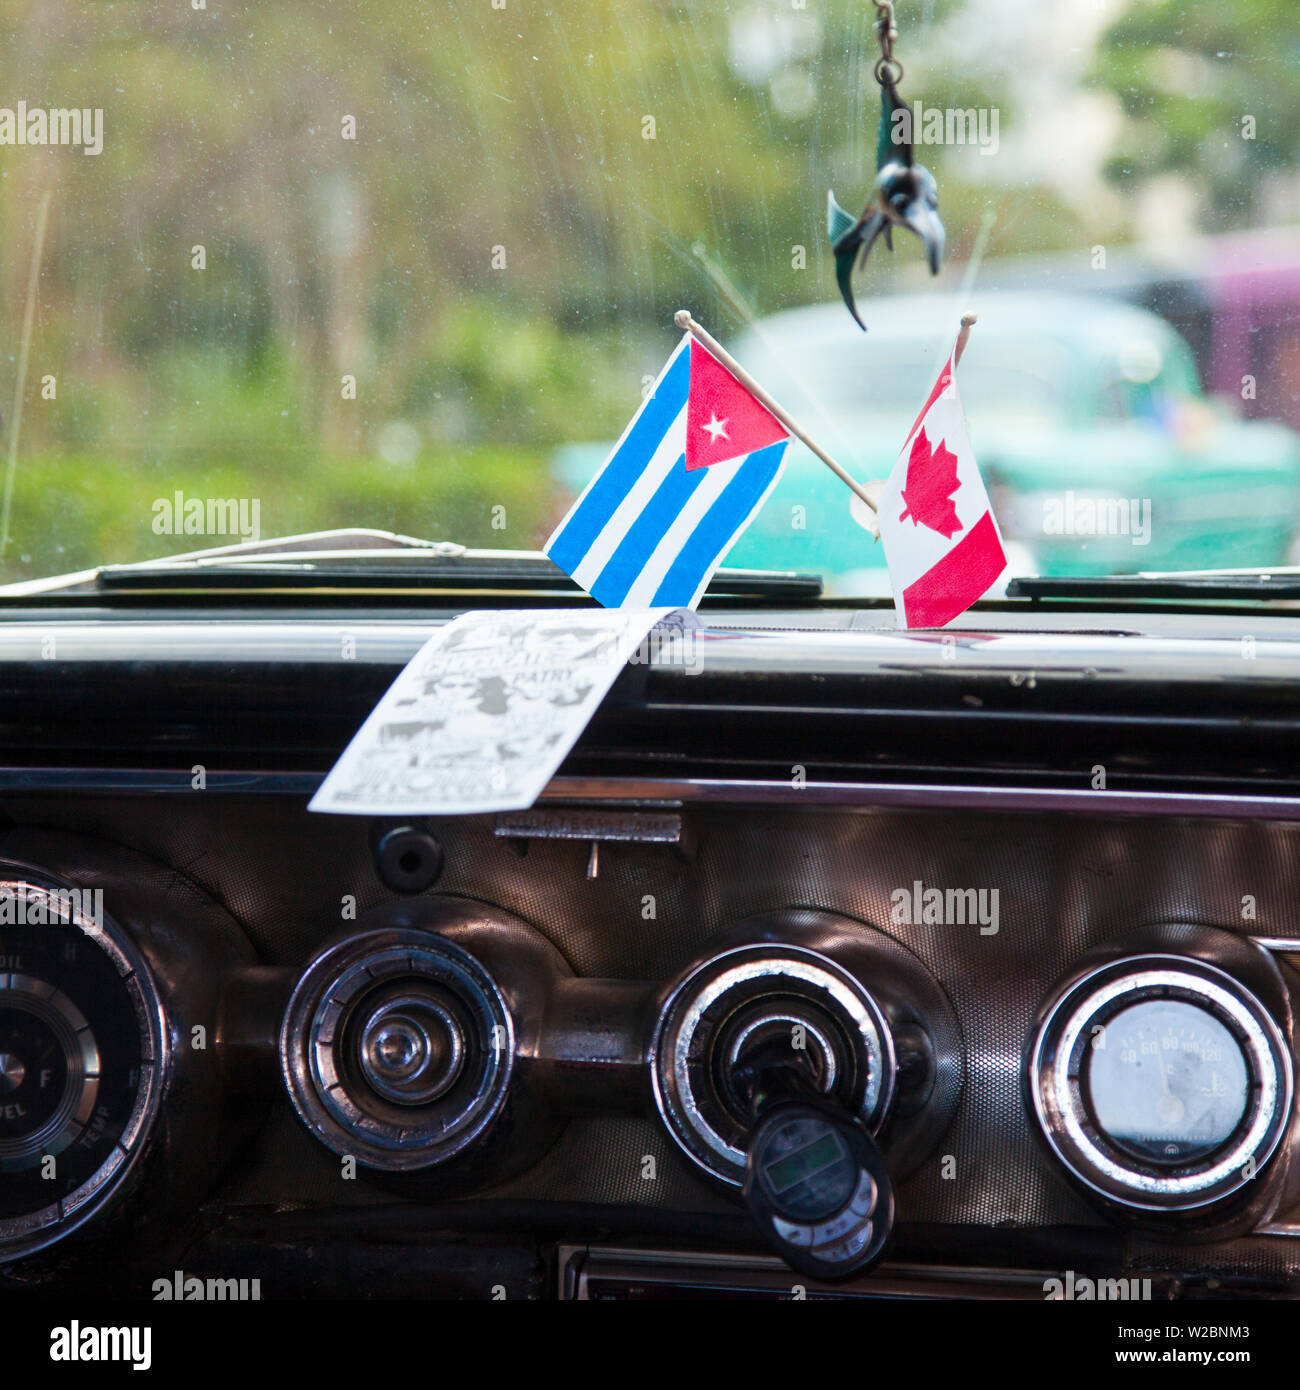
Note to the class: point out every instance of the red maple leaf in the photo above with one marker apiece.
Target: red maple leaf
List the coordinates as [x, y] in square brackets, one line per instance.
[931, 481]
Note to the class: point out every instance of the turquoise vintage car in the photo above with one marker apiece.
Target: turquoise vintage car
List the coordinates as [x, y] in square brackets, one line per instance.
[1100, 451]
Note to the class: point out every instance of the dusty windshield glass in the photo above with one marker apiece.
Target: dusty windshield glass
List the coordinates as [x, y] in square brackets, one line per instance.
[275, 269]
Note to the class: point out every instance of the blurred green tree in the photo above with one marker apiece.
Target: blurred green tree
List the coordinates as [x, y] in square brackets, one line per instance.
[1210, 91]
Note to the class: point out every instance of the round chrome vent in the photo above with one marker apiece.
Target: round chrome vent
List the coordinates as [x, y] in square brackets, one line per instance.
[397, 1048]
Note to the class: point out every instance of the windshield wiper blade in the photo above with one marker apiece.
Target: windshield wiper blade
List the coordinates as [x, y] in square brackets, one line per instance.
[497, 572]
[354, 562]
[1283, 584]
[344, 540]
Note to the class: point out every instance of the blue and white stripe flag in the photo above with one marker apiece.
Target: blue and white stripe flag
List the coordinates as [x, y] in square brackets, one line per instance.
[652, 526]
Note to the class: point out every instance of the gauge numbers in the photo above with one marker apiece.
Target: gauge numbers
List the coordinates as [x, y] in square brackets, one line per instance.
[1166, 1081]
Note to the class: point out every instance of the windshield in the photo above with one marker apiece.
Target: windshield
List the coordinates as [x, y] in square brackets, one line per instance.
[277, 269]
[832, 385]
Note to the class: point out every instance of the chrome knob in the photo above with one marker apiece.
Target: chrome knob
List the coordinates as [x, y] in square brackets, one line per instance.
[412, 1048]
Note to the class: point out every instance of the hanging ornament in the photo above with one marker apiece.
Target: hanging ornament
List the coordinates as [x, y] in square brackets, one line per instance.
[905, 193]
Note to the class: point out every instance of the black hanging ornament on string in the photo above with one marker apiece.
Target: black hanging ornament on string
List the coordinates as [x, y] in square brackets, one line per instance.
[905, 193]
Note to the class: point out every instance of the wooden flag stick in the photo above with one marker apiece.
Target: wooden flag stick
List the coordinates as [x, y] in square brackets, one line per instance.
[682, 318]
[962, 338]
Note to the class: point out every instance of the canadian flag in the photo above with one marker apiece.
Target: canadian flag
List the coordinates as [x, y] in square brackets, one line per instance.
[942, 544]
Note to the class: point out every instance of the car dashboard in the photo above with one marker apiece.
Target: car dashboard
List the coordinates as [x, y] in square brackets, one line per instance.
[1022, 894]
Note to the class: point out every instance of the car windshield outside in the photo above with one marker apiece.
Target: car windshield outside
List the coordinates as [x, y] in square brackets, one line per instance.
[280, 269]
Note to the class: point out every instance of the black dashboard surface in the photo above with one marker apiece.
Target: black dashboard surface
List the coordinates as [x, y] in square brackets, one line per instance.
[169, 763]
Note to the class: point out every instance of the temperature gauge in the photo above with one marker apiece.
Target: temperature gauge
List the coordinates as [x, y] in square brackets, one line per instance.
[1161, 1084]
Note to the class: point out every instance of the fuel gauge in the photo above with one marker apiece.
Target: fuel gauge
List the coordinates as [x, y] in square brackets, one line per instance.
[82, 1051]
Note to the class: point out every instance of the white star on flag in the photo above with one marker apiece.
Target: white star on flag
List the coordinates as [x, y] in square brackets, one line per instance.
[716, 427]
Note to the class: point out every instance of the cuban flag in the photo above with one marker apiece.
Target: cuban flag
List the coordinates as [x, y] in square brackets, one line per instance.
[686, 478]
[942, 543]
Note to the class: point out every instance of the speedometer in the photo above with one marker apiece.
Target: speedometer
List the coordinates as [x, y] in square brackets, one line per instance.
[1161, 1082]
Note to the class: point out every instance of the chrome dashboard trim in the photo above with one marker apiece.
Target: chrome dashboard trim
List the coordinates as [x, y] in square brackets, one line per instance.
[580, 1265]
[924, 794]
[905, 795]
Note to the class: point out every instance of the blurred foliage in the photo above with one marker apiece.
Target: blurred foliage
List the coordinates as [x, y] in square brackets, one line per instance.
[1210, 90]
[495, 257]
[74, 511]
